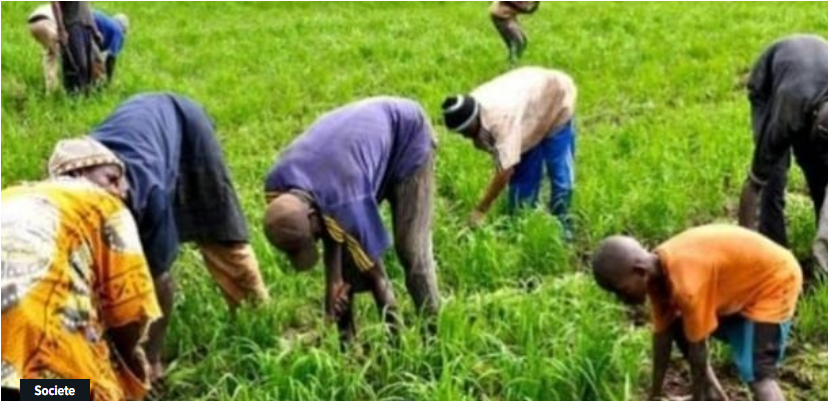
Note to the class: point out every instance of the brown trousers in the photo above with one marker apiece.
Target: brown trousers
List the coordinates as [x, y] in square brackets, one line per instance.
[412, 204]
[235, 269]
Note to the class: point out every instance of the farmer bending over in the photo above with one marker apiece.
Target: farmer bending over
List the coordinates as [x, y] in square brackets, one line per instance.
[524, 120]
[76, 34]
[181, 191]
[720, 281]
[505, 17]
[78, 297]
[328, 186]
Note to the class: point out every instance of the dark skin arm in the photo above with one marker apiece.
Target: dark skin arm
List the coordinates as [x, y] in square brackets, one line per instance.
[662, 346]
[126, 341]
[384, 298]
[336, 289]
[750, 205]
[165, 292]
[698, 359]
[496, 187]
[345, 321]
[339, 294]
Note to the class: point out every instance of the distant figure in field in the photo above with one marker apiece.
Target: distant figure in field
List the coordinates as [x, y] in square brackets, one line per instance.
[181, 192]
[787, 90]
[78, 297]
[721, 281]
[112, 31]
[76, 35]
[328, 186]
[505, 17]
[525, 121]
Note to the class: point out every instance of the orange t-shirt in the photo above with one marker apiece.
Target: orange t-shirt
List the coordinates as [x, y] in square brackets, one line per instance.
[720, 270]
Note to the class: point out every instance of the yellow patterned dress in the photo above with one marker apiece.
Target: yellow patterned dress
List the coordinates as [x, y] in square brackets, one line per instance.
[73, 268]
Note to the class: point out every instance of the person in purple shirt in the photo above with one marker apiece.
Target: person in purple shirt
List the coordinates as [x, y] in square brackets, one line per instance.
[328, 186]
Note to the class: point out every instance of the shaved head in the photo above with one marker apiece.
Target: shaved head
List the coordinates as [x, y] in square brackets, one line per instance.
[622, 265]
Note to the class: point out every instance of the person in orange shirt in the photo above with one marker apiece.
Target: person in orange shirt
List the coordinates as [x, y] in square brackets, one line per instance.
[77, 295]
[713, 281]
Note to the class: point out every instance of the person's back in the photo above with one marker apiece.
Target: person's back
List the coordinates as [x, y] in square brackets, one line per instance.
[145, 132]
[794, 67]
[73, 270]
[719, 270]
[362, 147]
[522, 107]
[112, 33]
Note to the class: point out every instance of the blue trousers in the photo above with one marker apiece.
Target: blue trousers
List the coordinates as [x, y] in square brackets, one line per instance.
[556, 152]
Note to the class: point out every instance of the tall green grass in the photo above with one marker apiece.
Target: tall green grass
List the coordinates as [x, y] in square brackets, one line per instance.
[664, 143]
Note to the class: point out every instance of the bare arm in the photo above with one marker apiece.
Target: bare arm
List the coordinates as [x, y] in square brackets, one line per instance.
[496, 187]
[384, 297]
[126, 340]
[336, 290]
[698, 359]
[750, 205]
[662, 346]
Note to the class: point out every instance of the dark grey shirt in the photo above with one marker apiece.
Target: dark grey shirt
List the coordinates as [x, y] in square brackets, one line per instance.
[787, 87]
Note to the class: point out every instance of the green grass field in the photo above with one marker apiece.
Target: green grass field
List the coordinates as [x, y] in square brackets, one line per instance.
[664, 144]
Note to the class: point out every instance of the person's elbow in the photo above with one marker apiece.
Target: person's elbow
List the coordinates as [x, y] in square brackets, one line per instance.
[506, 175]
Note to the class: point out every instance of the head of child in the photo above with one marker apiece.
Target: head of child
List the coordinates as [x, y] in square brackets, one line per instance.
[622, 266]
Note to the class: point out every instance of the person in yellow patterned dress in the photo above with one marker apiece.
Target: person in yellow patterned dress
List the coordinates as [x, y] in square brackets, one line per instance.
[77, 295]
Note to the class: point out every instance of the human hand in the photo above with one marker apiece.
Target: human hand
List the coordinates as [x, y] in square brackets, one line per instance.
[476, 218]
